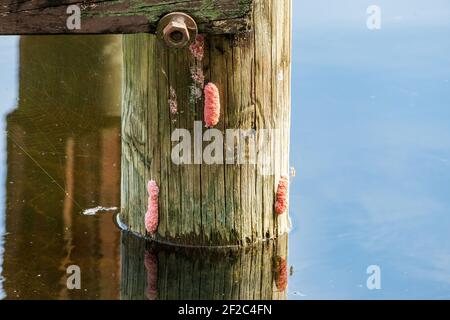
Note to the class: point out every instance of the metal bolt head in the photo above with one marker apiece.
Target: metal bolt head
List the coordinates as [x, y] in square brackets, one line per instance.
[177, 30]
[176, 34]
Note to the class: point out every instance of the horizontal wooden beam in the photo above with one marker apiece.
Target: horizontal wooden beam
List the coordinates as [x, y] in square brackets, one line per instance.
[120, 16]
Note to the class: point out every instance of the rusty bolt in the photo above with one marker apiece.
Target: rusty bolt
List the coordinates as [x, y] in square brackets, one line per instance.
[176, 34]
[177, 29]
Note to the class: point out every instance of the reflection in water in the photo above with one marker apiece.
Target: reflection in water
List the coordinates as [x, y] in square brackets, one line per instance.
[63, 156]
[371, 145]
[153, 272]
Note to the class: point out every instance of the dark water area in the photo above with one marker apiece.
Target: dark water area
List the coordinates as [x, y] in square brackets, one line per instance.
[63, 156]
[370, 144]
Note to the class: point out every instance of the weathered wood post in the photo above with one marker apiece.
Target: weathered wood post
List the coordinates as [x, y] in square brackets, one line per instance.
[245, 50]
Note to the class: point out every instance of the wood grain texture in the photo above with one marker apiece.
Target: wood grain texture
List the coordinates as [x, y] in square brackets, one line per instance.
[201, 204]
[121, 16]
[152, 272]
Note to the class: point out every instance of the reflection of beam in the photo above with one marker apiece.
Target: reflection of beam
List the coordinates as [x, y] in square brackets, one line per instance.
[109, 197]
[62, 136]
[166, 273]
[67, 214]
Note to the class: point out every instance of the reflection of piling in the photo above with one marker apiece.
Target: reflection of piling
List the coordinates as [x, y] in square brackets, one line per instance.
[70, 74]
[150, 271]
[63, 157]
[228, 203]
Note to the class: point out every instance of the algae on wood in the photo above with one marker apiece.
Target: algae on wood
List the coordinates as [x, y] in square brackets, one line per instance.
[121, 16]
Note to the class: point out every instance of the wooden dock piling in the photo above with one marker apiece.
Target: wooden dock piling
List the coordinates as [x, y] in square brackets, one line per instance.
[203, 204]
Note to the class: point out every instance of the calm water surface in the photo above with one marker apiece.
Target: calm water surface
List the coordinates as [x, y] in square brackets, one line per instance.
[370, 143]
[62, 156]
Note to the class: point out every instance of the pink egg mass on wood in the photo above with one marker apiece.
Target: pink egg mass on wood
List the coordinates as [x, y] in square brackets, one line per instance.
[282, 195]
[151, 217]
[212, 105]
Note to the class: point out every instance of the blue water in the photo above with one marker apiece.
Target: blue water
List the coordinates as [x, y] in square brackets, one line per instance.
[8, 97]
[370, 144]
